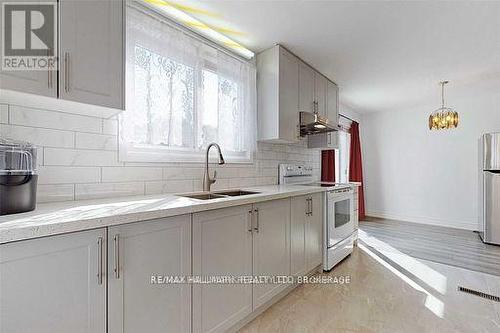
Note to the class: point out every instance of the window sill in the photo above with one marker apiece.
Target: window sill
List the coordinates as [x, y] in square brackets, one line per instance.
[159, 155]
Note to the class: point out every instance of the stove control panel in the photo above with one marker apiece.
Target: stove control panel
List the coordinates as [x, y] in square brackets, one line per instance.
[294, 173]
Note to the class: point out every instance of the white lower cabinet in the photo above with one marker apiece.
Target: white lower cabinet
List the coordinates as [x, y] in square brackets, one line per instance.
[271, 247]
[54, 284]
[314, 232]
[298, 221]
[238, 241]
[356, 207]
[222, 245]
[58, 283]
[306, 233]
[102, 280]
[136, 251]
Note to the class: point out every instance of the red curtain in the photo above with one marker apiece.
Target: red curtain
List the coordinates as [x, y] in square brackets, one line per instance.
[328, 166]
[355, 167]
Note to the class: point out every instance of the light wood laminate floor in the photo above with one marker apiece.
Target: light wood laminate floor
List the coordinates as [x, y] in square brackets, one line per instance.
[456, 247]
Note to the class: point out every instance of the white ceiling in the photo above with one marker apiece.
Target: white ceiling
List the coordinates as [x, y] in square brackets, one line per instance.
[384, 55]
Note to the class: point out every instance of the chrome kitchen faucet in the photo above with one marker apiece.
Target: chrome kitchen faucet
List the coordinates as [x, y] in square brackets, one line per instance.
[207, 181]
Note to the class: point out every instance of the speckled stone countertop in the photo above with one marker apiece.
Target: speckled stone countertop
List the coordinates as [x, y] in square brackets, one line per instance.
[58, 218]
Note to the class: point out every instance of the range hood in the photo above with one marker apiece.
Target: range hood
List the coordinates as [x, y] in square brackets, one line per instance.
[313, 123]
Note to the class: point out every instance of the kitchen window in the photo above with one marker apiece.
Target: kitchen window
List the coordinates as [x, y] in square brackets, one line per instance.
[182, 94]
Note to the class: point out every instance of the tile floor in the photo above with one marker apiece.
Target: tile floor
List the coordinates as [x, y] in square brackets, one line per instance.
[389, 292]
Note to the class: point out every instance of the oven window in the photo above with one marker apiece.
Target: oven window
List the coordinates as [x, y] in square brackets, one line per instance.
[342, 212]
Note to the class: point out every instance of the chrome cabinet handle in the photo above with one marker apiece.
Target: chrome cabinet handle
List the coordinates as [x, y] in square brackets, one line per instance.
[250, 223]
[329, 138]
[49, 84]
[256, 228]
[116, 252]
[99, 260]
[307, 207]
[311, 209]
[66, 71]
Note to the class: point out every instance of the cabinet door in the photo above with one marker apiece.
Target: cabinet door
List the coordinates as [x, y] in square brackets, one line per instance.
[32, 82]
[271, 247]
[332, 102]
[327, 140]
[288, 96]
[314, 227]
[332, 105]
[323, 140]
[298, 219]
[54, 284]
[320, 86]
[306, 88]
[136, 252]
[91, 52]
[222, 245]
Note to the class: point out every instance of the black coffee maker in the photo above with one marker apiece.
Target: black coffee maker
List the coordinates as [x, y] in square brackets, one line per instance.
[18, 176]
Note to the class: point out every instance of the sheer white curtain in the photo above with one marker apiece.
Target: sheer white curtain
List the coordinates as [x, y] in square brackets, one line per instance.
[182, 94]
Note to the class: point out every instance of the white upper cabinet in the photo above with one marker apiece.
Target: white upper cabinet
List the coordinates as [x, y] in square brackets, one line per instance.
[33, 82]
[288, 99]
[92, 52]
[332, 102]
[54, 284]
[286, 86]
[328, 140]
[306, 88]
[135, 252]
[39, 82]
[320, 87]
[277, 95]
[91, 58]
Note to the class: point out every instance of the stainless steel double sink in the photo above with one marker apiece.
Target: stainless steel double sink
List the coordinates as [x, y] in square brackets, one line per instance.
[217, 195]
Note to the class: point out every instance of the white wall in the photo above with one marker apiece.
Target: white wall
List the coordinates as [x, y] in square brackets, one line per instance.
[350, 112]
[78, 159]
[417, 175]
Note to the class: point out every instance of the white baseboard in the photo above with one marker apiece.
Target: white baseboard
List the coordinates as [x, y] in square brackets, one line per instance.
[425, 220]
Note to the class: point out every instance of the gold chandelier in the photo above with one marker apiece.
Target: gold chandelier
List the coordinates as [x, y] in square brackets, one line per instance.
[444, 117]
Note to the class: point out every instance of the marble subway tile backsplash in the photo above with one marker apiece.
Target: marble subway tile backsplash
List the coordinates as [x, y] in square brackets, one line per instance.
[19, 115]
[78, 159]
[107, 190]
[68, 175]
[43, 137]
[4, 114]
[96, 141]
